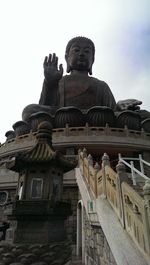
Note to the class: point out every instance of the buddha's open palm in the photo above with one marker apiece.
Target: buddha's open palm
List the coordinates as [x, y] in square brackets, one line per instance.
[51, 71]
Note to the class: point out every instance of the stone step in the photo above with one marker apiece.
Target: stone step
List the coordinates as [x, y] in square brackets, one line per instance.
[75, 261]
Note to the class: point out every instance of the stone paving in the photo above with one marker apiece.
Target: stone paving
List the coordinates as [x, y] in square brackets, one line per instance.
[35, 254]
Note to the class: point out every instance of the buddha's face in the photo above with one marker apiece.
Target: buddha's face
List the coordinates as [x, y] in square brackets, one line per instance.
[80, 56]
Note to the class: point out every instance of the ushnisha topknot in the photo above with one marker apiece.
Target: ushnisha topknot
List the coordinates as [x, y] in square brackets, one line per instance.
[78, 39]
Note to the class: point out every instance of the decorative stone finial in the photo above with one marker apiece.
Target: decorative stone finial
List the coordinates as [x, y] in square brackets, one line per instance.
[84, 152]
[44, 132]
[146, 188]
[97, 166]
[90, 160]
[120, 167]
[105, 160]
[79, 151]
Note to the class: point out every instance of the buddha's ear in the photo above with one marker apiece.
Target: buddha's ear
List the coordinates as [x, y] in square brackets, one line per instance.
[68, 68]
[90, 70]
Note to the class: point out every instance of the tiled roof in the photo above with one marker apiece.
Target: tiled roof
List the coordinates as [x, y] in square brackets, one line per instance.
[39, 153]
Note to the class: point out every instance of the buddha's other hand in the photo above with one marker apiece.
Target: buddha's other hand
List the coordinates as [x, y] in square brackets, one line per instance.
[128, 104]
[51, 71]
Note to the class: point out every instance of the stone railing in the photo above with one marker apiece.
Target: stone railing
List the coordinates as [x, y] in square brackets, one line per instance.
[76, 136]
[136, 217]
[92, 173]
[112, 192]
[99, 131]
[85, 131]
[131, 203]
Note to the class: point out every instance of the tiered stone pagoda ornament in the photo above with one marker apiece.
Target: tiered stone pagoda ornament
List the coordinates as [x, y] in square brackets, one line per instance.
[37, 230]
[38, 209]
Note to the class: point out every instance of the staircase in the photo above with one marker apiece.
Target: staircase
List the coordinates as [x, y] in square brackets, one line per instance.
[105, 190]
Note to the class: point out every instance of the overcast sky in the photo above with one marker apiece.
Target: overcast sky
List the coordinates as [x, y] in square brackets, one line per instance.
[31, 29]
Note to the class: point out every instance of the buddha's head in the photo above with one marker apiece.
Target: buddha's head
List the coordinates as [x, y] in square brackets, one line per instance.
[79, 55]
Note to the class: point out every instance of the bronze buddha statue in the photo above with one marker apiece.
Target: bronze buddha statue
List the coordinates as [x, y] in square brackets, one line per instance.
[78, 88]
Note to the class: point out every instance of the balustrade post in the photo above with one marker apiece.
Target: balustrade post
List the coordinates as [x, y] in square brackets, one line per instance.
[146, 192]
[90, 163]
[146, 157]
[126, 131]
[90, 160]
[84, 155]
[143, 133]
[79, 158]
[107, 129]
[87, 128]
[121, 177]
[96, 169]
[141, 164]
[67, 130]
[105, 162]
[79, 151]
[133, 174]
[84, 152]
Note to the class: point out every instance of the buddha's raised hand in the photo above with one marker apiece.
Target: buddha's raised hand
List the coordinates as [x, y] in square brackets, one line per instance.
[51, 71]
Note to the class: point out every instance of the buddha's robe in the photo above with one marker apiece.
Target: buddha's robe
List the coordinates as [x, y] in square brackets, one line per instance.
[80, 91]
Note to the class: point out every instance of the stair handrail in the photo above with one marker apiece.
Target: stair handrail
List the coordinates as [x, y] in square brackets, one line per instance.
[133, 169]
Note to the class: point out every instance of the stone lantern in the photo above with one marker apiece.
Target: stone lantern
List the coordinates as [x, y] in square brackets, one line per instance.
[38, 210]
